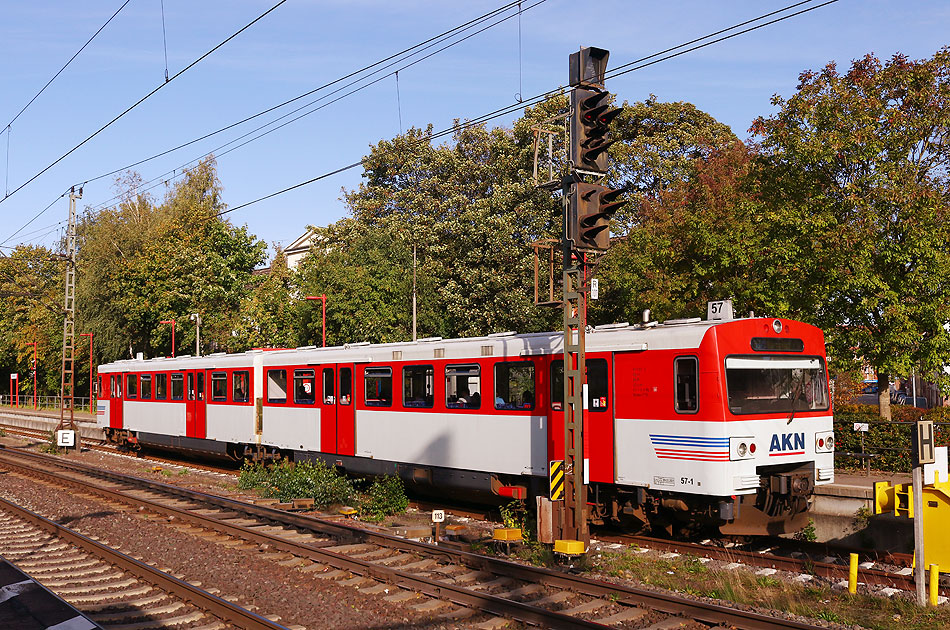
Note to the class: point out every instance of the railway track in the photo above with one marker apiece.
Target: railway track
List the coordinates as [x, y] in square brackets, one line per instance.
[455, 583]
[764, 559]
[111, 588]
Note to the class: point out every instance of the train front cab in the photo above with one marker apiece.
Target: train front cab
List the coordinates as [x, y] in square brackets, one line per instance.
[710, 431]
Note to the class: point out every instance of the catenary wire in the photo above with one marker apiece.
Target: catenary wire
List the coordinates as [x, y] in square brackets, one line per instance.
[394, 58]
[58, 72]
[629, 67]
[157, 181]
[143, 99]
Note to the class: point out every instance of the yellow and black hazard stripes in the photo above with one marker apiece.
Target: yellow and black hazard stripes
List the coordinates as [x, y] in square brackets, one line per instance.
[556, 479]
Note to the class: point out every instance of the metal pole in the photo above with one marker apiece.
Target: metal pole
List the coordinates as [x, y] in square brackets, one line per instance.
[89, 334]
[322, 297]
[413, 291]
[195, 317]
[172, 322]
[919, 568]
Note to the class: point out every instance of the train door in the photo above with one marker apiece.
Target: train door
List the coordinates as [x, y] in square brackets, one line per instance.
[337, 431]
[195, 413]
[115, 401]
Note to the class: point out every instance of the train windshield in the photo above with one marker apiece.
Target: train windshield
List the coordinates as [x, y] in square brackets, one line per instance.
[776, 384]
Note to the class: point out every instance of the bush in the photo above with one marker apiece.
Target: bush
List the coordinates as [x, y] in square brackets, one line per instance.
[889, 440]
[298, 480]
[385, 497]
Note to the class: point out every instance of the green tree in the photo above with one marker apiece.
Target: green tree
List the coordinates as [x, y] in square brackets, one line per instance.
[855, 172]
[141, 263]
[471, 210]
[658, 147]
[31, 288]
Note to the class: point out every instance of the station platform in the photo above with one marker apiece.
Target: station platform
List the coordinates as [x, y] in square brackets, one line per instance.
[47, 419]
[26, 605]
[843, 513]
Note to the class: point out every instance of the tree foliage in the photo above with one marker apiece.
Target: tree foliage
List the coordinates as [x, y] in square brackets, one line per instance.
[854, 171]
[31, 302]
[144, 263]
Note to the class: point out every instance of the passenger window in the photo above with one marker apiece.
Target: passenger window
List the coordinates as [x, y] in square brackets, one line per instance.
[329, 387]
[276, 386]
[346, 386]
[514, 385]
[463, 386]
[146, 386]
[131, 385]
[161, 386]
[597, 385]
[178, 386]
[219, 386]
[201, 385]
[686, 379]
[241, 385]
[118, 385]
[417, 382]
[304, 390]
[379, 387]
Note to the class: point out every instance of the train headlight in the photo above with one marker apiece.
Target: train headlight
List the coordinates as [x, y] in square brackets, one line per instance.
[825, 442]
[777, 326]
[741, 448]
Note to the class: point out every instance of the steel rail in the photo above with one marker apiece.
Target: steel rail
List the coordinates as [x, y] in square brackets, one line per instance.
[633, 596]
[216, 606]
[829, 570]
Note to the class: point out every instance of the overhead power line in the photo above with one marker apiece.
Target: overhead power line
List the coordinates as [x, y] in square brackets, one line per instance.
[638, 64]
[60, 71]
[143, 99]
[385, 63]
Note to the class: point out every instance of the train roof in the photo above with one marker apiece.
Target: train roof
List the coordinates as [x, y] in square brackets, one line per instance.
[671, 334]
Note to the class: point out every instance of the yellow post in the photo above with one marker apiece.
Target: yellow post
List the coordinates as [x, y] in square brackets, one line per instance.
[934, 584]
[853, 575]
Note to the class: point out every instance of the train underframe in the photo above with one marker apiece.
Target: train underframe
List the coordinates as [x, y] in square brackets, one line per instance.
[778, 506]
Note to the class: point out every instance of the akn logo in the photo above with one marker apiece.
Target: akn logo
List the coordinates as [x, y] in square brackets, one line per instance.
[787, 444]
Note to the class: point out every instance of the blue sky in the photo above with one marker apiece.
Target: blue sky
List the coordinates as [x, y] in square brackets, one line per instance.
[304, 44]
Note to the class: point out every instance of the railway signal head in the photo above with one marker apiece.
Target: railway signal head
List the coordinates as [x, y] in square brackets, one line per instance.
[595, 206]
[590, 122]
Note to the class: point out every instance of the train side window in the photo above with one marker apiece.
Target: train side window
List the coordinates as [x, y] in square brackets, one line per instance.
[241, 386]
[219, 386]
[346, 386]
[305, 392]
[378, 387]
[178, 386]
[598, 389]
[329, 386]
[417, 384]
[276, 386]
[117, 386]
[145, 386]
[201, 385]
[686, 379]
[463, 386]
[597, 386]
[161, 386]
[514, 385]
[557, 385]
[131, 385]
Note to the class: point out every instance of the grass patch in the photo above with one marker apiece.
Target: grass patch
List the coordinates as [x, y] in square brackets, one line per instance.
[687, 574]
[286, 481]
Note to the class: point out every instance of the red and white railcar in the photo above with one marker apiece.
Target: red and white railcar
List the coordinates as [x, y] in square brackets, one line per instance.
[726, 421]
